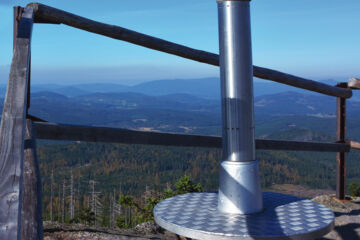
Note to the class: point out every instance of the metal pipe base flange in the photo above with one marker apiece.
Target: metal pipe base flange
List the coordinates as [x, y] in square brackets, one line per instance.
[196, 216]
[240, 190]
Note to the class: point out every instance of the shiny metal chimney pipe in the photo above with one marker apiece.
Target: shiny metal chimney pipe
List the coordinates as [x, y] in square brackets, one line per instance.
[239, 190]
[192, 215]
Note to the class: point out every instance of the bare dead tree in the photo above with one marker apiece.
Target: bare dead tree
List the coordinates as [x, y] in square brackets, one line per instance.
[77, 197]
[51, 195]
[147, 193]
[111, 199]
[92, 182]
[115, 209]
[63, 203]
[96, 205]
[59, 204]
[72, 206]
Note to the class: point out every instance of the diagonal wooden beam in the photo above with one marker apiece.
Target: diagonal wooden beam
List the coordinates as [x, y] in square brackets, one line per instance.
[354, 83]
[48, 14]
[12, 132]
[52, 131]
[354, 144]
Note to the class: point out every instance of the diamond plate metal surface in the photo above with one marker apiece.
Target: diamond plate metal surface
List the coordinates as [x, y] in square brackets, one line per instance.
[195, 215]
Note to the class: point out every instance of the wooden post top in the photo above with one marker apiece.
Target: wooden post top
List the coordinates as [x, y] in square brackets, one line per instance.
[354, 83]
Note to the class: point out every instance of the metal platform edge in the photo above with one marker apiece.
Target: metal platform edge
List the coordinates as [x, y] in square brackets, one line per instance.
[196, 234]
[202, 235]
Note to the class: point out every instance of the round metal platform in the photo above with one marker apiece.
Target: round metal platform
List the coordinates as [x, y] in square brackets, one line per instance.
[195, 215]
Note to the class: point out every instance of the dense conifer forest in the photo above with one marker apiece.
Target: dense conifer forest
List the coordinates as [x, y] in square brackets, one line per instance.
[98, 178]
[109, 184]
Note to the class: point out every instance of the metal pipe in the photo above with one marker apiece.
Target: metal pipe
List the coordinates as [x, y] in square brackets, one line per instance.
[239, 190]
[236, 81]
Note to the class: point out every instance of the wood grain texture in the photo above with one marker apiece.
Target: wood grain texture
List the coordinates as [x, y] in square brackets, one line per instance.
[12, 133]
[52, 131]
[116, 135]
[31, 217]
[340, 156]
[354, 145]
[34, 118]
[301, 146]
[45, 13]
[17, 16]
[354, 83]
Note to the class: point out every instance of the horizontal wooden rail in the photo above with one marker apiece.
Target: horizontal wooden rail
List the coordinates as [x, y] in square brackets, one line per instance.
[12, 132]
[301, 146]
[52, 131]
[34, 118]
[48, 14]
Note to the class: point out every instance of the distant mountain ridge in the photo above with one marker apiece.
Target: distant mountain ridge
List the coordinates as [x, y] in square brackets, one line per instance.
[189, 114]
[208, 88]
[284, 103]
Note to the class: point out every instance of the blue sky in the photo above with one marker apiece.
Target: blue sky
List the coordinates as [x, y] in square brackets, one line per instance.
[314, 39]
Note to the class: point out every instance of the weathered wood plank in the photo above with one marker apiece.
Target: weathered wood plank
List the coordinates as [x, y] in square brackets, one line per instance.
[340, 156]
[31, 217]
[354, 83]
[45, 13]
[354, 145]
[299, 82]
[34, 119]
[12, 133]
[29, 87]
[301, 146]
[52, 131]
[17, 16]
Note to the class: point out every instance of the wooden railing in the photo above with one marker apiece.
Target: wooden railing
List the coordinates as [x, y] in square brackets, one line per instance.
[19, 183]
[46, 14]
[19, 174]
[52, 131]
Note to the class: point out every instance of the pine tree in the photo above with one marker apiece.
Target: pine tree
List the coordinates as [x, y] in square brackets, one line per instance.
[354, 189]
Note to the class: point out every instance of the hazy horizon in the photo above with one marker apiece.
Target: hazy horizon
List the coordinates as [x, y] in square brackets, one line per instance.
[56, 79]
[311, 39]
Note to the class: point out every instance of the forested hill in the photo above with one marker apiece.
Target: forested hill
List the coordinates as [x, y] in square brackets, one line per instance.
[132, 168]
[190, 114]
[208, 88]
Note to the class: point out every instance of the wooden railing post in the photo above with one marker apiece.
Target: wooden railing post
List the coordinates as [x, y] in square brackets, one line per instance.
[28, 97]
[340, 137]
[17, 15]
[31, 217]
[12, 130]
